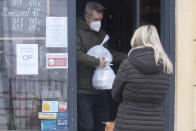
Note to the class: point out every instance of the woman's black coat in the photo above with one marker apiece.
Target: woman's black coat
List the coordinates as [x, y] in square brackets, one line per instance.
[140, 87]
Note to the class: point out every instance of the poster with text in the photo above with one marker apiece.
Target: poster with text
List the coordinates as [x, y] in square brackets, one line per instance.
[27, 59]
[56, 32]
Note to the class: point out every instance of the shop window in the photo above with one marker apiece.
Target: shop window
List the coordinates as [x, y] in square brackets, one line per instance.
[33, 65]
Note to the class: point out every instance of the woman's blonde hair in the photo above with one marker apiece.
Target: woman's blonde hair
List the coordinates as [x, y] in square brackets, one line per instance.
[147, 35]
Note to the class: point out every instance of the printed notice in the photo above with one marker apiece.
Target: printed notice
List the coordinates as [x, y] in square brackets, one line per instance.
[44, 115]
[62, 106]
[27, 59]
[56, 60]
[50, 106]
[48, 125]
[56, 32]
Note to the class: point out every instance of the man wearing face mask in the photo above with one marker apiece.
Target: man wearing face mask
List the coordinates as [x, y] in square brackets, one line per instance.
[92, 104]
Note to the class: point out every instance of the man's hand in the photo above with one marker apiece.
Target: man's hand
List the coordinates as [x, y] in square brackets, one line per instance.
[102, 62]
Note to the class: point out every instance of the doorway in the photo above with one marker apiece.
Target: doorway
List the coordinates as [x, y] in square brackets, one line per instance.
[122, 17]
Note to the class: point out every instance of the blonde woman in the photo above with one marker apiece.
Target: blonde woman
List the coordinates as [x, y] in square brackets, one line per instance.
[142, 83]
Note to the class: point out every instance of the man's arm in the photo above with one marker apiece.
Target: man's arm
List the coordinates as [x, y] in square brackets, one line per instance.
[88, 60]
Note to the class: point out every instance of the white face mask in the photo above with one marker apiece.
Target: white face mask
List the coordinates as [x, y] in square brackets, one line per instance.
[95, 26]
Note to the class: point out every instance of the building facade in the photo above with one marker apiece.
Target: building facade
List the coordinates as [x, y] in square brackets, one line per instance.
[185, 94]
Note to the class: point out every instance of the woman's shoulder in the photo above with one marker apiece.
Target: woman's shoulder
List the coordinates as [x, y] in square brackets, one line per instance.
[126, 64]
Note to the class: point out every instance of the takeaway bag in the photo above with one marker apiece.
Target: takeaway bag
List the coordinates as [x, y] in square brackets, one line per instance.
[103, 77]
[99, 51]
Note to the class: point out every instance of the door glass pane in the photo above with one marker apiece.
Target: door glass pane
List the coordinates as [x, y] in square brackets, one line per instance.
[150, 12]
[33, 64]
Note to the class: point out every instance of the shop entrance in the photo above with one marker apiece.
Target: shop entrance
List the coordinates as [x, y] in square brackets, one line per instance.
[122, 17]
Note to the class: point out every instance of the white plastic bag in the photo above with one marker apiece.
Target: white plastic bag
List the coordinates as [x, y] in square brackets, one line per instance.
[103, 78]
[99, 51]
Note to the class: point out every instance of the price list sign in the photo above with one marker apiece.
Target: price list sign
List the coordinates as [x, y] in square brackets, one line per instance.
[23, 18]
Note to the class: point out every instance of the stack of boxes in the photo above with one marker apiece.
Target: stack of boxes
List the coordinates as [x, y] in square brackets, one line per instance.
[54, 115]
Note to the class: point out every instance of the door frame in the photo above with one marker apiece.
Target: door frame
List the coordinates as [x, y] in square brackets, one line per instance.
[168, 38]
[72, 70]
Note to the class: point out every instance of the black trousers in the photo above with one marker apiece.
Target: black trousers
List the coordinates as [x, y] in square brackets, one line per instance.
[92, 111]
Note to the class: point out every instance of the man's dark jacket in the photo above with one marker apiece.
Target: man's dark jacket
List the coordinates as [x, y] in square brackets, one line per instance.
[86, 38]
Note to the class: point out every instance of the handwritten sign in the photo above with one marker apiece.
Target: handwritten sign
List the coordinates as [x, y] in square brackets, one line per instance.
[23, 18]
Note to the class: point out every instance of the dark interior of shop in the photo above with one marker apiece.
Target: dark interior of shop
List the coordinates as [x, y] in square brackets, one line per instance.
[120, 19]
